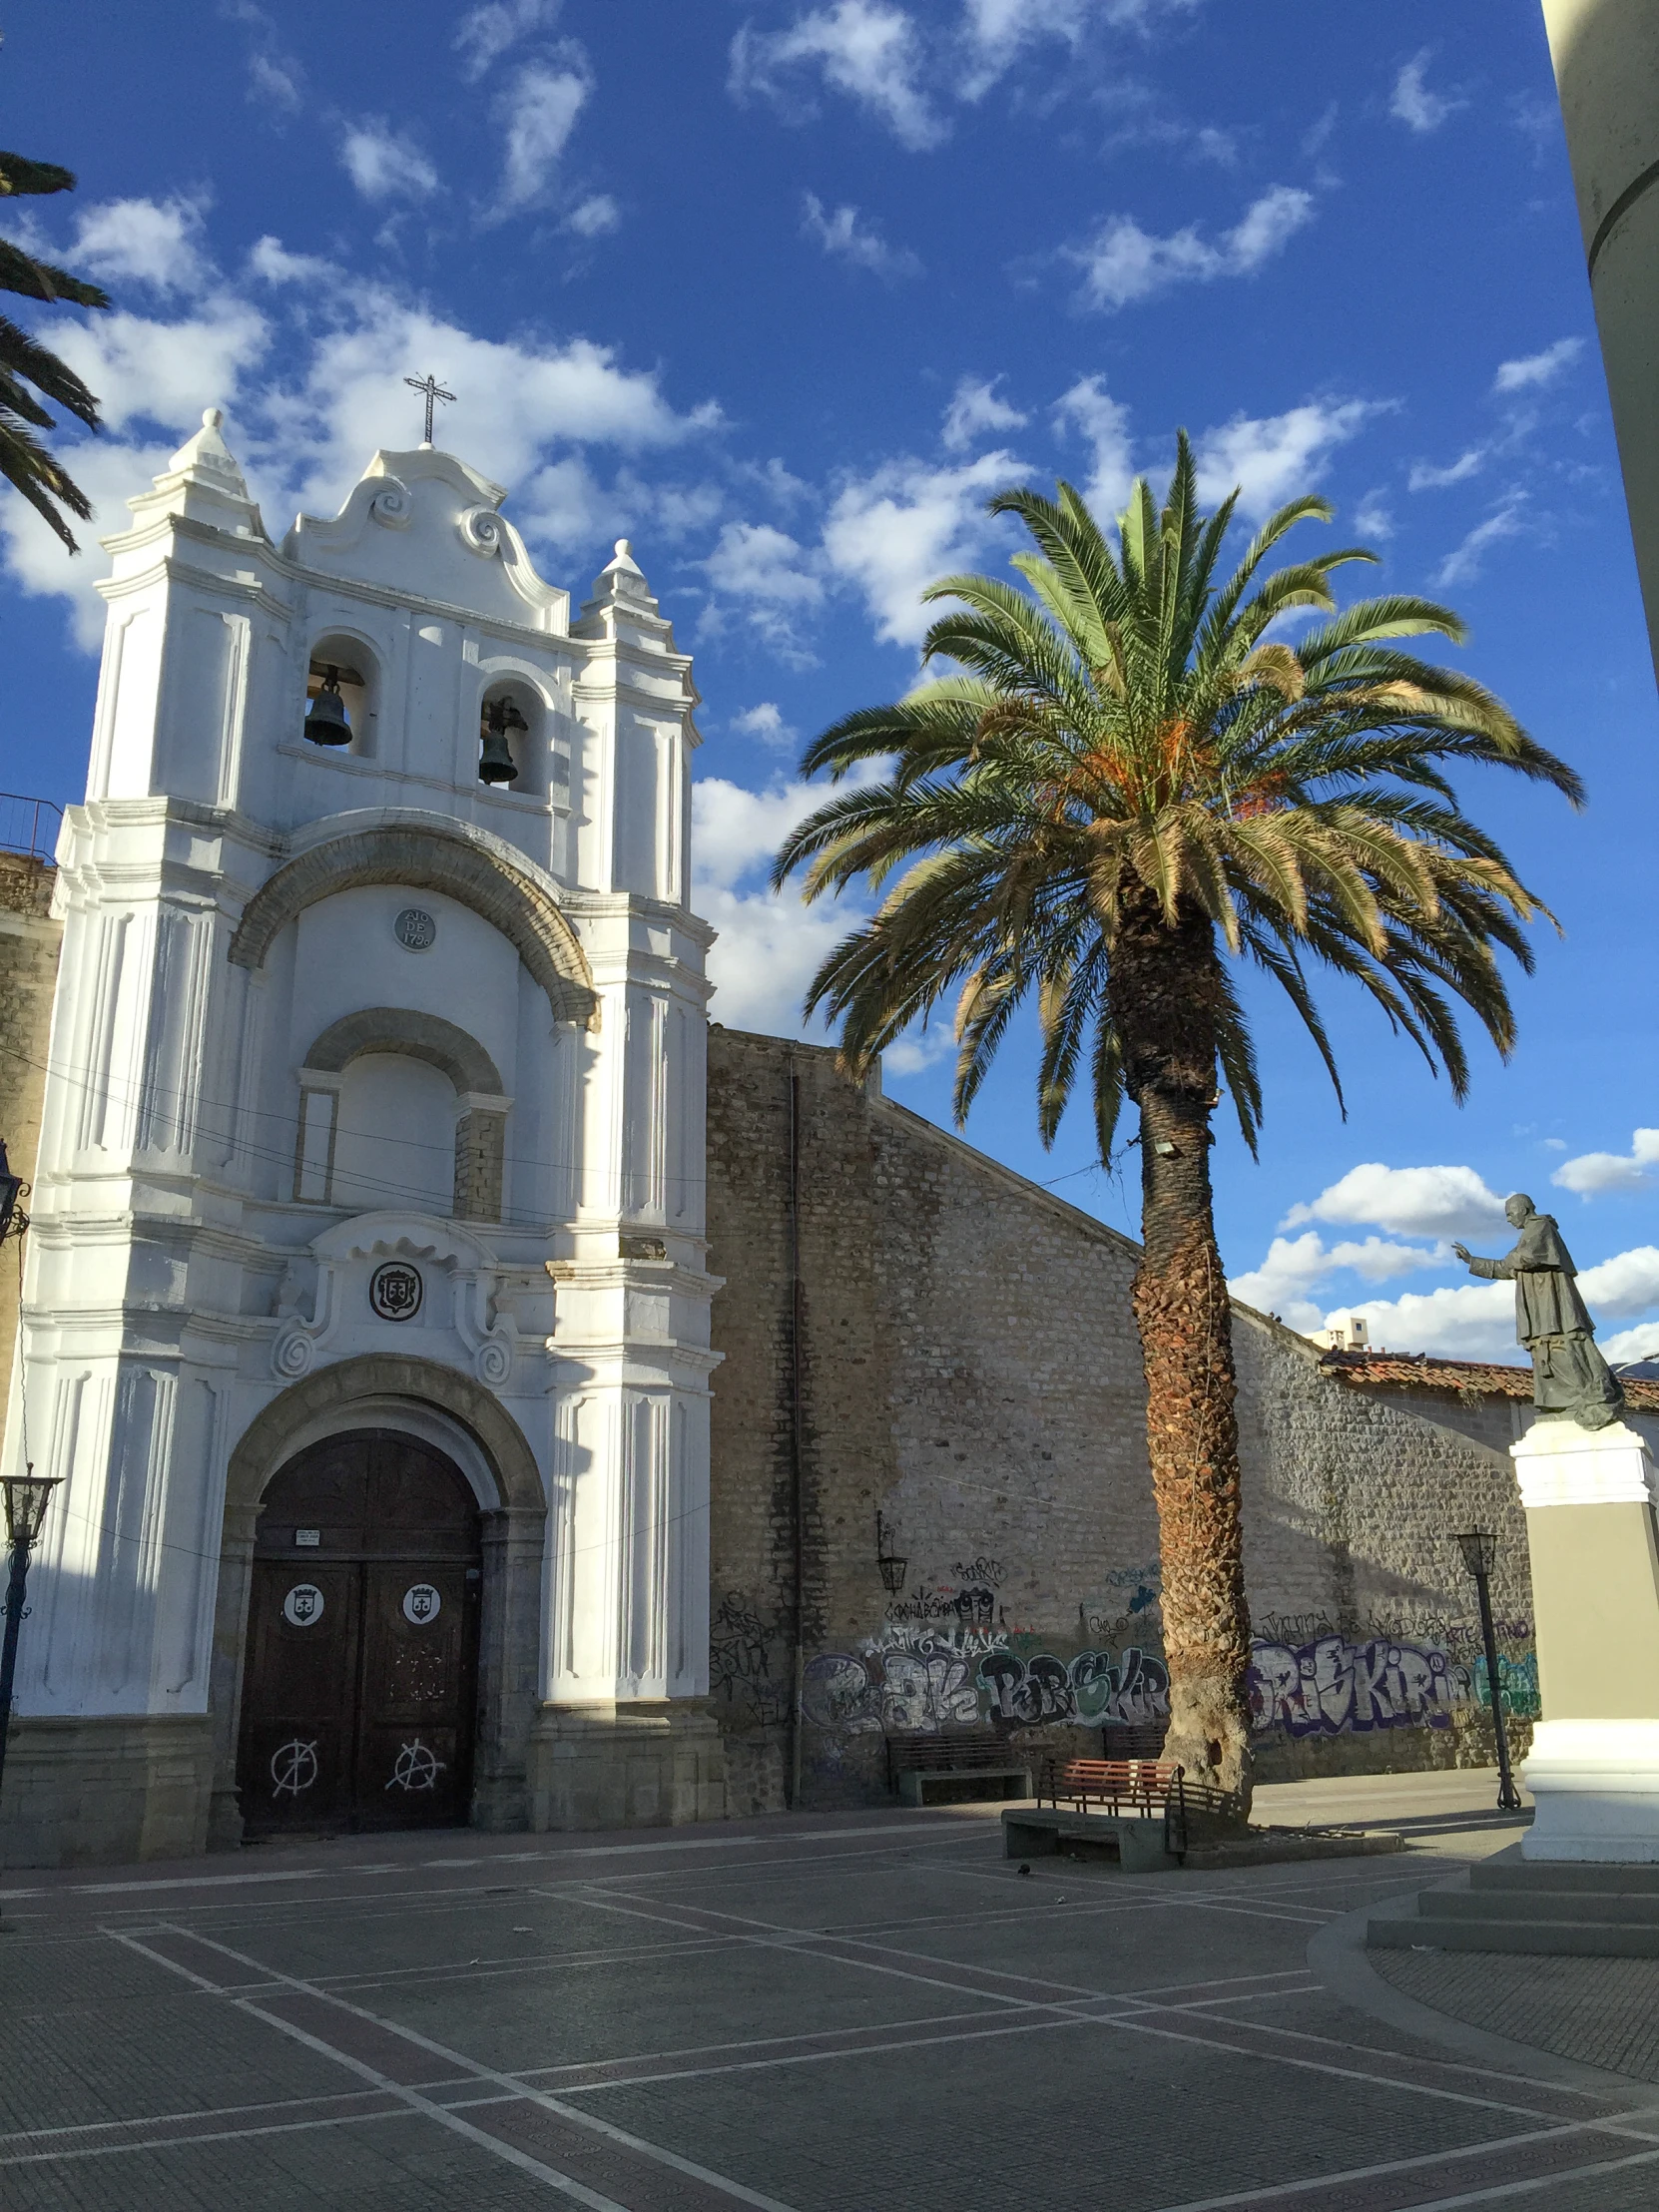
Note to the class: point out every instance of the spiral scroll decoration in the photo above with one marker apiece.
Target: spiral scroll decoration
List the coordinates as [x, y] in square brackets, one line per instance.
[392, 508]
[483, 533]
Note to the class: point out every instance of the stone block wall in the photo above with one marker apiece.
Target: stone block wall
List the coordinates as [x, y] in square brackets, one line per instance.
[924, 1333]
[29, 943]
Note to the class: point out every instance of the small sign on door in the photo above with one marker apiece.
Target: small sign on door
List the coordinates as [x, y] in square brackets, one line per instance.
[421, 1603]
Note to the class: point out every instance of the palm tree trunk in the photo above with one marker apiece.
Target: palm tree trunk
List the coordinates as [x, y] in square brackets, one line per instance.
[1165, 984]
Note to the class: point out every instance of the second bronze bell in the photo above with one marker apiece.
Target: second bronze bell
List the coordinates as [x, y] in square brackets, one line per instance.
[496, 760]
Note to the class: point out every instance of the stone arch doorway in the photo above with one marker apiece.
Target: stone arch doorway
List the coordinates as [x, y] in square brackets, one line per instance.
[470, 1427]
[360, 1687]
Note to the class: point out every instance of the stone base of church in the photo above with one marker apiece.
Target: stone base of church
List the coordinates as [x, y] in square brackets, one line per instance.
[1597, 1787]
[650, 1764]
[106, 1791]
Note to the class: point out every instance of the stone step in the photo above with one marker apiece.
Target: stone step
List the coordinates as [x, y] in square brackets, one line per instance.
[1562, 1875]
[1537, 1938]
[1616, 1908]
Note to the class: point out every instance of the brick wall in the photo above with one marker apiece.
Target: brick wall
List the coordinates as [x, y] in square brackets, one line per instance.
[967, 1364]
[29, 941]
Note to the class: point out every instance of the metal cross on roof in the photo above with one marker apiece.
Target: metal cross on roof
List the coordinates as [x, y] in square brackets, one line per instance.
[432, 391]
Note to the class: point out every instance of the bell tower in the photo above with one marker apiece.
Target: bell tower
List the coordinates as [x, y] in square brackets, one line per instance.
[375, 1105]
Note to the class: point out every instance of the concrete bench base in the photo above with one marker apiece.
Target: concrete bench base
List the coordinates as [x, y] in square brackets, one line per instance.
[914, 1783]
[1134, 1841]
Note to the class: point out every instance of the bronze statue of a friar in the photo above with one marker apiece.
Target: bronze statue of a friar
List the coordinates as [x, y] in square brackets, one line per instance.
[1570, 1378]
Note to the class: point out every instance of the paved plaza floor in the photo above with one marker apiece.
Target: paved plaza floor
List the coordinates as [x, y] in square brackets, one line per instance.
[825, 2013]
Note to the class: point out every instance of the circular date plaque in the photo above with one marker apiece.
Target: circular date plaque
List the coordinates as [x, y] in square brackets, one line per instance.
[415, 929]
[395, 1291]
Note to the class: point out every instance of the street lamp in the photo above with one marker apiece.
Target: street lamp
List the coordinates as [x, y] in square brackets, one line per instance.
[27, 1497]
[1479, 1549]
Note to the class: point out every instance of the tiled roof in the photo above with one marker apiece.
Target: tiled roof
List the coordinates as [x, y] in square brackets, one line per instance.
[1404, 1371]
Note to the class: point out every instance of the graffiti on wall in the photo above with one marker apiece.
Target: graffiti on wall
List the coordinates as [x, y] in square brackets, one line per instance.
[914, 1684]
[909, 1683]
[740, 1661]
[1332, 1685]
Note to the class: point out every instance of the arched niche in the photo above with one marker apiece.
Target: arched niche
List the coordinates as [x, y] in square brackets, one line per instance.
[358, 669]
[473, 1187]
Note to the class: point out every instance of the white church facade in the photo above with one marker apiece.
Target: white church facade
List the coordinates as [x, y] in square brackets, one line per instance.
[366, 1310]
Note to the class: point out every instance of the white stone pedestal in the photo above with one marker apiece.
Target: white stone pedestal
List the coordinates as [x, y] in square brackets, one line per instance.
[1594, 1765]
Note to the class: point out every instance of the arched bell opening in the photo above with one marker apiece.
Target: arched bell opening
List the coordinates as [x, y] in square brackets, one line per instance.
[512, 737]
[342, 685]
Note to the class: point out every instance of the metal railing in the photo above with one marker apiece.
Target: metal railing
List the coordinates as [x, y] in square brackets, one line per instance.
[29, 826]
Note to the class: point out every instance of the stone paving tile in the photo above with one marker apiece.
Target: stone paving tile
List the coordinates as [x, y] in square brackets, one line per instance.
[1039, 2117]
[652, 2005]
[1600, 2012]
[169, 2053]
[869, 2066]
[406, 2164]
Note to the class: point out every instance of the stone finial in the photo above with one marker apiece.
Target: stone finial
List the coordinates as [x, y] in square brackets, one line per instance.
[206, 458]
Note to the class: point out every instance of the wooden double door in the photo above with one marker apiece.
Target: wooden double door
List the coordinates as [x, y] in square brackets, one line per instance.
[361, 1684]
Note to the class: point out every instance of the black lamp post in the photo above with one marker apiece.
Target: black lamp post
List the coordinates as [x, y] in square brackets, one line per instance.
[27, 1497]
[893, 1567]
[1479, 1549]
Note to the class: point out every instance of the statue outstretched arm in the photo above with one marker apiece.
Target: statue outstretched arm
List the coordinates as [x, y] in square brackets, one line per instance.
[1492, 1271]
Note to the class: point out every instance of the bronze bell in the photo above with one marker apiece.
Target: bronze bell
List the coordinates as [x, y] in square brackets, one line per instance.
[495, 762]
[327, 723]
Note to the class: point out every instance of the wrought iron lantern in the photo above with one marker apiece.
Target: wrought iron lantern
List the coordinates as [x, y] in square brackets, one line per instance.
[13, 1219]
[27, 1497]
[495, 762]
[894, 1568]
[326, 724]
[1479, 1549]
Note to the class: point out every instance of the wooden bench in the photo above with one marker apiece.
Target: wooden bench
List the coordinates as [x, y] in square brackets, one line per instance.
[954, 1754]
[1136, 1789]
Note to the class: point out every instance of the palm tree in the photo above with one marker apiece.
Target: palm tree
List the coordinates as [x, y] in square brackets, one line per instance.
[24, 461]
[1122, 797]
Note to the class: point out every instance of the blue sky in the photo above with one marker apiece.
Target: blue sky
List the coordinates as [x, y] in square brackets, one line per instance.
[782, 292]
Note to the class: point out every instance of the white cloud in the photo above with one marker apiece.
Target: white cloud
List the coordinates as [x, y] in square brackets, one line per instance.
[1537, 368]
[770, 582]
[1123, 262]
[485, 33]
[1273, 459]
[594, 217]
[1408, 1202]
[764, 722]
[1474, 1320]
[903, 526]
[273, 77]
[1424, 477]
[145, 242]
[1374, 519]
[538, 112]
[843, 236]
[1631, 1344]
[1594, 1172]
[769, 946]
[861, 47]
[1414, 104]
[1295, 1266]
[1463, 563]
[271, 261]
[1104, 425]
[385, 164]
[995, 32]
[165, 372]
[1624, 1286]
[975, 408]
